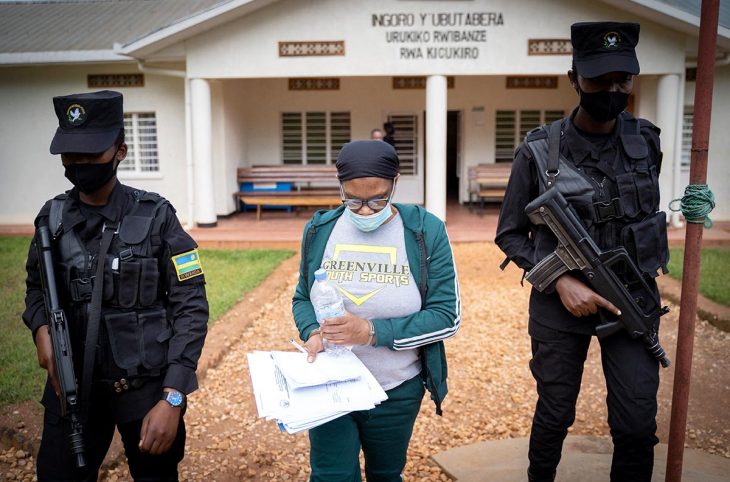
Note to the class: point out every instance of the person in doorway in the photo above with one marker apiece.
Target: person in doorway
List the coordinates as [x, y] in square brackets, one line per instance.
[376, 134]
[609, 163]
[389, 129]
[132, 286]
[394, 266]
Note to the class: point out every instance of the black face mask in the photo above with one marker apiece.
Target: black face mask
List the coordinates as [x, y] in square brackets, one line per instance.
[88, 178]
[603, 106]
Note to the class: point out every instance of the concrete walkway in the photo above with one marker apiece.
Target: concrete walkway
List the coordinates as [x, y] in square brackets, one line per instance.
[585, 458]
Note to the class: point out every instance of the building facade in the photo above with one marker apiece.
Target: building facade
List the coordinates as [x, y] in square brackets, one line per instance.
[217, 85]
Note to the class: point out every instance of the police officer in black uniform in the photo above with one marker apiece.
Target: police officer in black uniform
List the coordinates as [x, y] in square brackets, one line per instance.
[608, 167]
[137, 324]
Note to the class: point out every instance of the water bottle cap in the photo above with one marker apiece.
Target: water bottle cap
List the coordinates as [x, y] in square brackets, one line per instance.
[320, 274]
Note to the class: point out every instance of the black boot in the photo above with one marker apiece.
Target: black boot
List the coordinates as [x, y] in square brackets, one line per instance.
[535, 476]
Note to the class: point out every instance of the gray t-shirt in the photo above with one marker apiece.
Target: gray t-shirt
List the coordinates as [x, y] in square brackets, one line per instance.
[372, 273]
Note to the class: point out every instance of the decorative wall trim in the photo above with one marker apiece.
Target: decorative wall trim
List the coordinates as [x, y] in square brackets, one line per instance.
[322, 83]
[532, 82]
[319, 48]
[417, 82]
[549, 46]
[114, 80]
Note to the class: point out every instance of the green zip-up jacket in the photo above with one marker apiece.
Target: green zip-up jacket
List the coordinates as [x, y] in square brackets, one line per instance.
[432, 265]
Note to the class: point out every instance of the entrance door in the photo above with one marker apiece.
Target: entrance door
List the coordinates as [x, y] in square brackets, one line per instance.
[453, 154]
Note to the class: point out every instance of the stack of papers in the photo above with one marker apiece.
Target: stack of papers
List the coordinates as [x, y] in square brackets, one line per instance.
[300, 395]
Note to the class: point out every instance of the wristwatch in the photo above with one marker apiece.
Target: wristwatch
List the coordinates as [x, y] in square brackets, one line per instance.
[174, 398]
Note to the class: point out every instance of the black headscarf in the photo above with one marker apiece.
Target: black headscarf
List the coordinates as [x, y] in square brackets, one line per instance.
[367, 159]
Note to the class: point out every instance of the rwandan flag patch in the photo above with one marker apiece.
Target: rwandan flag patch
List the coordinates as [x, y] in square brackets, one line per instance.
[187, 265]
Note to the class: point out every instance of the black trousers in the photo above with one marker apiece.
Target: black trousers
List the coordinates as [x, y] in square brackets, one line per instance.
[632, 381]
[55, 462]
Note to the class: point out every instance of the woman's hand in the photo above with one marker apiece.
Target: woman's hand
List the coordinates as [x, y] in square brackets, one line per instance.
[314, 345]
[346, 330]
[581, 300]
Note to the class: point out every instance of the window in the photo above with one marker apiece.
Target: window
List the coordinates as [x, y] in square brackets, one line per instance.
[511, 126]
[406, 141]
[313, 137]
[687, 124]
[140, 134]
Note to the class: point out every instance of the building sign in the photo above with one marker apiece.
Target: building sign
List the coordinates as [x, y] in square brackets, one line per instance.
[532, 82]
[103, 81]
[311, 49]
[436, 36]
[417, 82]
[323, 83]
[549, 46]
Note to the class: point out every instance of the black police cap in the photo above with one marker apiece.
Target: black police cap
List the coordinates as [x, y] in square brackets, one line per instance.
[603, 47]
[87, 123]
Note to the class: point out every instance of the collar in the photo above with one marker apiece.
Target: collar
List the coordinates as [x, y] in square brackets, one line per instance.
[583, 149]
[112, 210]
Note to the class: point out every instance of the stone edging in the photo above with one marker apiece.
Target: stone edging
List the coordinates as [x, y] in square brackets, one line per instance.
[714, 313]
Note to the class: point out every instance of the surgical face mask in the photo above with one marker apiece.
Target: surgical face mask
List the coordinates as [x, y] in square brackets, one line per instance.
[370, 222]
[88, 178]
[603, 106]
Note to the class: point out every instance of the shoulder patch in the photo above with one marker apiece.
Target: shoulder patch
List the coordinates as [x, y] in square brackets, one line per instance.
[187, 265]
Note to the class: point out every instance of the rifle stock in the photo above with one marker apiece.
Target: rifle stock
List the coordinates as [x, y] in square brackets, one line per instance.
[630, 293]
[62, 355]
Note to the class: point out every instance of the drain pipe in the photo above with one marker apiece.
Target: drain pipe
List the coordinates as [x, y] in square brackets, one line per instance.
[189, 165]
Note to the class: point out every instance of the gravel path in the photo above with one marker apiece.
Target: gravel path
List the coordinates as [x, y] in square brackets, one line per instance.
[491, 391]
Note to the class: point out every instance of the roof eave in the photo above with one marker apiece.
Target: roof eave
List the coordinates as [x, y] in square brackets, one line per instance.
[62, 57]
[188, 27]
[672, 17]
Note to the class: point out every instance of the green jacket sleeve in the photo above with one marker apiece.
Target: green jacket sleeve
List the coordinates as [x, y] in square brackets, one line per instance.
[440, 315]
[302, 308]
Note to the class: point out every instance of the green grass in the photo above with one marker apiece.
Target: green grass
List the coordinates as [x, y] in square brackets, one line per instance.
[229, 275]
[714, 272]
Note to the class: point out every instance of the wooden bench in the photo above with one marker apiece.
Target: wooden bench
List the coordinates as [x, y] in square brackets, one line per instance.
[312, 185]
[488, 182]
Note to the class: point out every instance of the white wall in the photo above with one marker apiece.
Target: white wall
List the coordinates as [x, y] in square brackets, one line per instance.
[248, 47]
[253, 114]
[30, 175]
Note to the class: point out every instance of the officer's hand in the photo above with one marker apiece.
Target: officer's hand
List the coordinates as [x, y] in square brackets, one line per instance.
[44, 347]
[314, 345]
[581, 300]
[346, 330]
[159, 428]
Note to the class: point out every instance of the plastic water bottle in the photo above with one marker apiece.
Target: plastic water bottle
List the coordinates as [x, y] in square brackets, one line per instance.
[327, 303]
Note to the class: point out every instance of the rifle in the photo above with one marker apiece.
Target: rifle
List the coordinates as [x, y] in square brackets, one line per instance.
[630, 293]
[58, 328]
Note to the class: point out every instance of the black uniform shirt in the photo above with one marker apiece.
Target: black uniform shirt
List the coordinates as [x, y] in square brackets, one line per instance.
[595, 155]
[185, 301]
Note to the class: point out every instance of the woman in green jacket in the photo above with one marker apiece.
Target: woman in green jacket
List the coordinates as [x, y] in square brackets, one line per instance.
[394, 267]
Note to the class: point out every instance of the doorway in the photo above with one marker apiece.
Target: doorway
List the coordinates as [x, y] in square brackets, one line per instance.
[453, 154]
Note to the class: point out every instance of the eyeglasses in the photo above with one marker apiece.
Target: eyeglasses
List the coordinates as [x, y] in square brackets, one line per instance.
[375, 204]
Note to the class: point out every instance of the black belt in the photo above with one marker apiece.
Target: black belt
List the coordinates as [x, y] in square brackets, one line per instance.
[122, 385]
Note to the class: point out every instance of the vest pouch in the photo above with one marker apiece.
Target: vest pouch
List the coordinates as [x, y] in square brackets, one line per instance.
[155, 334]
[148, 281]
[627, 193]
[124, 339]
[646, 243]
[129, 272]
[646, 187]
[111, 277]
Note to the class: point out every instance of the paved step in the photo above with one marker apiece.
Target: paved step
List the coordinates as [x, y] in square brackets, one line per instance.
[585, 458]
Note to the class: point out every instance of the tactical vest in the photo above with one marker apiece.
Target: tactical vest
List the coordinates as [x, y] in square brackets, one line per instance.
[134, 330]
[632, 218]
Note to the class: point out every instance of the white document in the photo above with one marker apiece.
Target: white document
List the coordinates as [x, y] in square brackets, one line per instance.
[298, 409]
[326, 368]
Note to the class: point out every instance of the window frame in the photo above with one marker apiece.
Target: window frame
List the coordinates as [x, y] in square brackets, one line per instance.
[519, 128]
[133, 149]
[330, 143]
